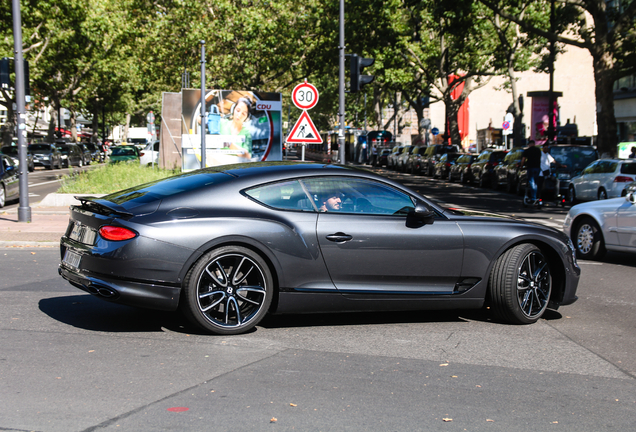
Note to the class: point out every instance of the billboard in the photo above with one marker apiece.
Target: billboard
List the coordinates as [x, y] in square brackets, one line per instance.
[239, 126]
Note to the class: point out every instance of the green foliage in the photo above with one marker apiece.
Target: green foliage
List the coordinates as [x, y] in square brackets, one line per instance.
[112, 178]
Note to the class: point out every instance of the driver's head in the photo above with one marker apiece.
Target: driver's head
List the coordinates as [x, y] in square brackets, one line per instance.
[331, 202]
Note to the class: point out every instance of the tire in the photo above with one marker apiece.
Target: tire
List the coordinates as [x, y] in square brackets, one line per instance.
[494, 184]
[462, 178]
[3, 196]
[588, 239]
[80, 163]
[520, 285]
[602, 194]
[450, 177]
[571, 198]
[510, 186]
[215, 301]
[51, 166]
[482, 182]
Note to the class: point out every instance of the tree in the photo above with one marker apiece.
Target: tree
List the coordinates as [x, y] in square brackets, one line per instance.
[607, 31]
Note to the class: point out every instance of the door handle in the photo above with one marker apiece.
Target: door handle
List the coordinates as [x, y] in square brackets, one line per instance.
[339, 237]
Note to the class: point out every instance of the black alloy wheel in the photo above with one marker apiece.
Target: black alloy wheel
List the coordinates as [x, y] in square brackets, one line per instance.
[520, 285]
[228, 290]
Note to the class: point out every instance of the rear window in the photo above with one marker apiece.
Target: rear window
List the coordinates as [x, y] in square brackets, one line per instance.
[628, 168]
[163, 188]
[574, 158]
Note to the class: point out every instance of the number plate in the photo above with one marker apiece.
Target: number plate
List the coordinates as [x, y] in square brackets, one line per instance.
[72, 259]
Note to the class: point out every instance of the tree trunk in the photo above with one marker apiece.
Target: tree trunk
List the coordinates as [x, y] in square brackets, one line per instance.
[50, 136]
[73, 126]
[607, 140]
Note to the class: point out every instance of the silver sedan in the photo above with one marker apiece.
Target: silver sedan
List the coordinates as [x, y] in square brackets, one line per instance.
[598, 226]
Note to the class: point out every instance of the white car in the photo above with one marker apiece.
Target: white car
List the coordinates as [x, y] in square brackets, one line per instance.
[602, 179]
[150, 154]
[598, 226]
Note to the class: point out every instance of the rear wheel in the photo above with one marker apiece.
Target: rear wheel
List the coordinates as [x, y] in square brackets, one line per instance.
[520, 285]
[228, 290]
[602, 194]
[588, 239]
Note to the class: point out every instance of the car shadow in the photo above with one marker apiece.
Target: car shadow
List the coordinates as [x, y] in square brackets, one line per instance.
[90, 313]
[372, 318]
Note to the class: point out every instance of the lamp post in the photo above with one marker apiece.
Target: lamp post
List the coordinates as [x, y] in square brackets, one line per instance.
[24, 211]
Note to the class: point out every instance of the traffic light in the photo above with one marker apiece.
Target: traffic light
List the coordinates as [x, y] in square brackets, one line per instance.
[357, 79]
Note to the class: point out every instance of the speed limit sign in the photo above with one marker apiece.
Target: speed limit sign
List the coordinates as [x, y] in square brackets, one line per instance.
[305, 96]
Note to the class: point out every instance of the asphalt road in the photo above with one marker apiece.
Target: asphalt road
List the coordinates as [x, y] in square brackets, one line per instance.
[71, 362]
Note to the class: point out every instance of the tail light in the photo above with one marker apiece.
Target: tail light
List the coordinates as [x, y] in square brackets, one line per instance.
[623, 179]
[448, 164]
[115, 233]
[141, 154]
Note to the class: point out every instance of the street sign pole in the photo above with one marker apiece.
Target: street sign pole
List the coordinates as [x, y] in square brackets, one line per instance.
[24, 211]
[203, 123]
[341, 98]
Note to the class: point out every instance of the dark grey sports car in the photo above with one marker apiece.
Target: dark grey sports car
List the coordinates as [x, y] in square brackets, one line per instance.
[232, 243]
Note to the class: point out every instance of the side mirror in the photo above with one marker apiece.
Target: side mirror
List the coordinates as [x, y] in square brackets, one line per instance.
[421, 215]
[631, 197]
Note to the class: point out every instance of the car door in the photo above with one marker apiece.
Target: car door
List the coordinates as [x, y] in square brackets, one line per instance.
[370, 248]
[626, 224]
[9, 176]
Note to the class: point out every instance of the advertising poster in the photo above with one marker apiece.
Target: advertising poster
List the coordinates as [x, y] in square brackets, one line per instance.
[541, 118]
[239, 126]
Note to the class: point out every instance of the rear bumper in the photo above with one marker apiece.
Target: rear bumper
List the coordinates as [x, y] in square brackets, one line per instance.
[139, 294]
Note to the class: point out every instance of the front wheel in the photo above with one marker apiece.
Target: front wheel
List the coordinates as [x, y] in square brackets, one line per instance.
[228, 291]
[2, 196]
[571, 197]
[588, 239]
[520, 285]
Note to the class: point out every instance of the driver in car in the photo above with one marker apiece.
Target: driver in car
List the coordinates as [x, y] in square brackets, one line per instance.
[330, 202]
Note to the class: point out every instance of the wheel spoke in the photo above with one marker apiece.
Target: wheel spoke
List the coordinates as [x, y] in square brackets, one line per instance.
[533, 285]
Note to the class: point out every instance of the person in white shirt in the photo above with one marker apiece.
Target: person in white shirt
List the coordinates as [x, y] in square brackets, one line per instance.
[546, 160]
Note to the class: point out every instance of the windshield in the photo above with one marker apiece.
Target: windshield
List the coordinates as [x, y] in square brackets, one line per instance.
[123, 151]
[575, 158]
[40, 147]
[65, 149]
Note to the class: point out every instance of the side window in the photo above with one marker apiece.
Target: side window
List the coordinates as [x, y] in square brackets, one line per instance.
[348, 195]
[285, 196]
[590, 169]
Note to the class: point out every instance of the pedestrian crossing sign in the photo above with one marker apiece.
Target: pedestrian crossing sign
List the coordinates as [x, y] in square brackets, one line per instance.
[304, 131]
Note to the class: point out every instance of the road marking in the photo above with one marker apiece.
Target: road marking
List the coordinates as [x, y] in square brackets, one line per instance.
[45, 183]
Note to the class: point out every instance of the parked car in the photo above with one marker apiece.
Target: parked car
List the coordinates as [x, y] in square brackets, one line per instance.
[46, 155]
[602, 179]
[392, 158]
[461, 169]
[414, 162]
[598, 226]
[507, 172]
[72, 155]
[97, 154]
[403, 158]
[124, 153]
[432, 154]
[232, 243]
[383, 156]
[9, 180]
[570, 159]
[150, 154]
[482, 170]
[14, 153]
[442, 168]
[86, 152]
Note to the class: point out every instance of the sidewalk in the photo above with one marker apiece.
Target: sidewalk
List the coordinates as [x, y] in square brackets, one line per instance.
[49, 220]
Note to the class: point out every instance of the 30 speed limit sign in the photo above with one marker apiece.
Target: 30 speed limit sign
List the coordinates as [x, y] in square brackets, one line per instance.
[305, 96]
